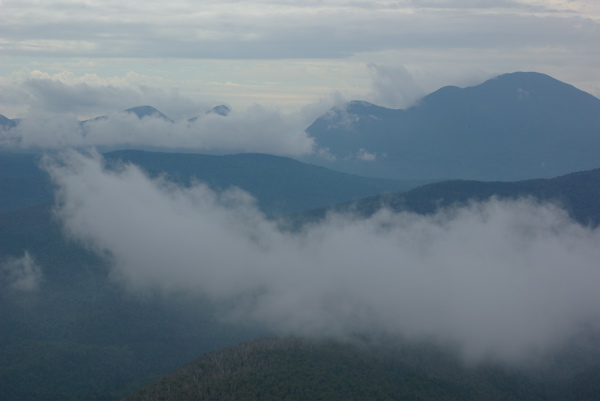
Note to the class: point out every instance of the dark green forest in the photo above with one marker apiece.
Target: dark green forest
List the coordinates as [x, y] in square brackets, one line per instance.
[301, 369]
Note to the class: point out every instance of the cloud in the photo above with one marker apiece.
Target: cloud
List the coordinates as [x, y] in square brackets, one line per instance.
[34, 92]
[394, 86]
[54, 104]
[280, 29]
[251, 44]
[500, 278]
[365, 155]
[253, 130]
[22, 274]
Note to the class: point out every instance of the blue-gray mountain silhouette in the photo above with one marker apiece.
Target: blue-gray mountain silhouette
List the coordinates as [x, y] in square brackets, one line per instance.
[147, 111]
[221, 110]
[6, 122]
[516, 126]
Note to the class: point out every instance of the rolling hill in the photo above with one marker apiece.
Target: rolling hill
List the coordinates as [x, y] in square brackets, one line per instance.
[280, 184]
[298, 369]
[578, 193]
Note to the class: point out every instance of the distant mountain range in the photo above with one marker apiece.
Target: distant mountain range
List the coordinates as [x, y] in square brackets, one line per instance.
[516, 126]
[578, 193]
[139, 111]
[280, 184]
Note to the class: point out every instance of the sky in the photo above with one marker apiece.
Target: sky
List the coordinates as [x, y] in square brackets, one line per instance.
[511, 280]
[93, 57]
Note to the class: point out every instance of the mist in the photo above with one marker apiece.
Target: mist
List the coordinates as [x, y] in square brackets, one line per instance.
[255, 129]
[20, 274]
[505, 279]
[394, 86]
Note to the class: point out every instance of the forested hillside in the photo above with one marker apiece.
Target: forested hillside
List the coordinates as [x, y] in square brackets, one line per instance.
[298, 369]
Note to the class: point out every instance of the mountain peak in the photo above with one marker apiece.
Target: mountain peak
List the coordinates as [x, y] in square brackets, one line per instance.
[514, 126]
[145, 111]
[6, 122]
[222, 110]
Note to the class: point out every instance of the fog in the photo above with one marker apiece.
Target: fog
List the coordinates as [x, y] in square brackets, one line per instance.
[255, 129]
[500, 278]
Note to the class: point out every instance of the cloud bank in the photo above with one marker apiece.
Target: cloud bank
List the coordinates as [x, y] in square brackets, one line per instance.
[59, 112]
[499, 278]
[26, 93]
[253, 130]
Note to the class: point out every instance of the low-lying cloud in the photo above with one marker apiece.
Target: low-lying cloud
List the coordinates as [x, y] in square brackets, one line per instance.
[21, 274]
[501, 277]
[255, 129]
[29, 93]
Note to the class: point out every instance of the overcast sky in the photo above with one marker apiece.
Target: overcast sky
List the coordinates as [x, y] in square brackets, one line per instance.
[280, 54]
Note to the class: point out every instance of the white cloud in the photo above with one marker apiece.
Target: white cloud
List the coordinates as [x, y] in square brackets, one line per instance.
[88, 95]
[254, 130]
[365, 155]
[498, 277]
[22, 274]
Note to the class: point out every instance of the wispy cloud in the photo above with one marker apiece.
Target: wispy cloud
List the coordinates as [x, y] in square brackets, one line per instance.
[277, 29]
[500, 278]
[88, 95]
[21, 274]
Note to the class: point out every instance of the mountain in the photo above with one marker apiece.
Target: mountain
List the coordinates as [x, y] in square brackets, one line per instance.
[147, 111]
[220, 110]
[578, 193]
[279, 184]
[515, 126]
[6, 123]
[139, 111]
[296, 369]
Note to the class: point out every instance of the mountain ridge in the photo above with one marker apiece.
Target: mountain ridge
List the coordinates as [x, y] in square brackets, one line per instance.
[578, 193]
[280, 184]
[514, 126]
